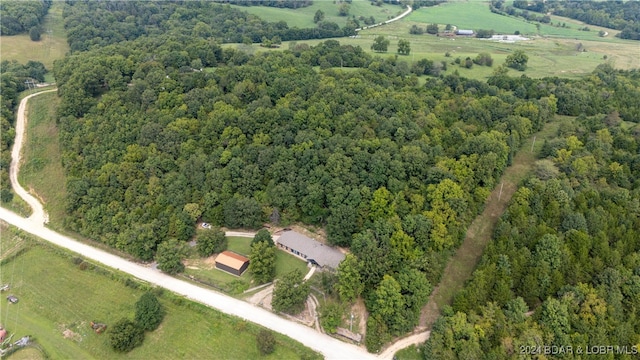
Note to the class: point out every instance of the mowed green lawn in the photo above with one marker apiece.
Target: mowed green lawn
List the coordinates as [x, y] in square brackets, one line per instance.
[42, 171]
[51, 46]
[58, 300]
[303, 17]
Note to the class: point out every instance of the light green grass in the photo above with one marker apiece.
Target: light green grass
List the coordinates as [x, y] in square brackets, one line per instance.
[50, 47]
[42, 173]
[286, 263]
[410, 353]
[240, 245]
[56, 295]
[303, 17]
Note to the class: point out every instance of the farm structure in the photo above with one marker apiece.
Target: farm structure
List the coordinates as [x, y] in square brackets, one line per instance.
[464, 32]
[311, 250]
[232, 263]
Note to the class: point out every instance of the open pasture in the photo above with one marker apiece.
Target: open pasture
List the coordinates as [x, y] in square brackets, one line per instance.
[52, 45]
[303, 17]
[59, 296]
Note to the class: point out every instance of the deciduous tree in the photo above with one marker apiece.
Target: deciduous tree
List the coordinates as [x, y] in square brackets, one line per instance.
[290, 293]
[262, 262]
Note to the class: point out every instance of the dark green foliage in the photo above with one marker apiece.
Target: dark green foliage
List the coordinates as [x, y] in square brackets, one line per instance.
[566, 248]
[211, 241]
[319, 16]
[483, 59]
[97, 24]
[404, 47]
[263, 235]
[380, 44]
[432, 29]
[34, 33]
[416, 30]
[149, 312]
[266, 342]
[290, 293]
[22, 16]
[518, 60]
[12, 81]
[262, 262]
[331, 316]
[169, 256]
[349, 284]
[125, 335]
[484, 34]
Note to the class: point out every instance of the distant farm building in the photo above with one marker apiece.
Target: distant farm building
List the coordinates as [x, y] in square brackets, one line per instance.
[308, 249]
[232, 263]
[464, 32]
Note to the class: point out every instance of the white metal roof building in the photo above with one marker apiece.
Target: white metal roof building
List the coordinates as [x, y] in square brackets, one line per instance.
[310, 250]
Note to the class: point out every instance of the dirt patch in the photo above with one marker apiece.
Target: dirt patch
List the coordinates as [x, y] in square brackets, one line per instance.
[360, 311]
[69, 334]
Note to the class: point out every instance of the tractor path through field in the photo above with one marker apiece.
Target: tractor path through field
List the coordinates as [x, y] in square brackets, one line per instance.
[462, 264]
[329, 347]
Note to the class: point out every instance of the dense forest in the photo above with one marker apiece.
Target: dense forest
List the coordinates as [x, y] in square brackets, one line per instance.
[21, 16]
[99, 23]
[619, 15]
[566, 248]
[12, 81]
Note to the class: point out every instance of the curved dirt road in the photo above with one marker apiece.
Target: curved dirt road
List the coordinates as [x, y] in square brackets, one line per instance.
[38, 215]
[329, 347]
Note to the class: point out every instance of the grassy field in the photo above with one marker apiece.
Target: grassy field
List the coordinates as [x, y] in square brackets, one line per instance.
[303, 17]
[42, 173]
[50, 47]
[479, 233]
[553, 51]
[58, 299]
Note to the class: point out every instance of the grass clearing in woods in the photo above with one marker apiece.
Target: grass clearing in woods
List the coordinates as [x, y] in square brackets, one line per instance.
[464, 261]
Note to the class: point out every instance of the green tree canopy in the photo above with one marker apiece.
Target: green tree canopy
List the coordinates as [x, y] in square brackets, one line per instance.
[211, 241]
[125, 335]
[380, 44]
[169, 256]
[290, 293]
[262, 262]
[149, 312]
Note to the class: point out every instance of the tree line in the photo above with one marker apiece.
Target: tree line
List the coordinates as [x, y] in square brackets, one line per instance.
[619, 15]
[97, 24]
[14, 78]
[22, 16]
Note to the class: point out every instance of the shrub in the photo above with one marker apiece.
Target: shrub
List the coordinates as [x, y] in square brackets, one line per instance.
[266, 342]
[149, 312]
[125, 335]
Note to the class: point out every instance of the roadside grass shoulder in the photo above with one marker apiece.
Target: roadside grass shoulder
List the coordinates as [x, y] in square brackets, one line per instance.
[60, 295]
[52, 46]
[42, 173]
